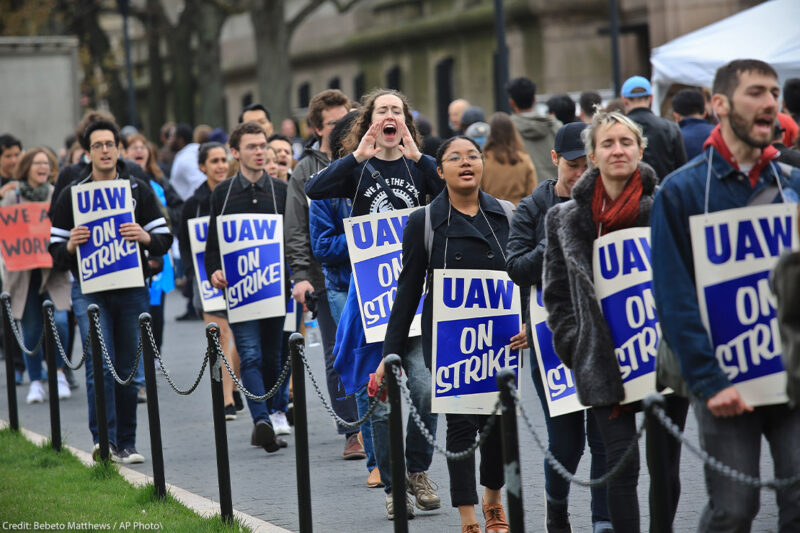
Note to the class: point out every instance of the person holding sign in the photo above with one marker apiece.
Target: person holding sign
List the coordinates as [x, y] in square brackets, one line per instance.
[258, 340]
[470, 229]
[107, 187]
[567, 433]
[384, 171]
[614, 194]
[31, 287]
[719, 226]
[213, 161]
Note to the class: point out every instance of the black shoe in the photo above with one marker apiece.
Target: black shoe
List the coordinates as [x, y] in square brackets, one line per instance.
[290, 414]
[188, 316]
[230, 412]
[263, 435]
[556, 518]
[237, 400]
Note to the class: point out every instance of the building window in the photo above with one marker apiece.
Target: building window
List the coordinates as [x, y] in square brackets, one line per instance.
[444, 95]
[393, 78]
[359, 86]
[303, 95]
[334, 83]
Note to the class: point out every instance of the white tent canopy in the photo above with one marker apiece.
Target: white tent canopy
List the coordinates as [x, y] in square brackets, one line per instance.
[769, 31]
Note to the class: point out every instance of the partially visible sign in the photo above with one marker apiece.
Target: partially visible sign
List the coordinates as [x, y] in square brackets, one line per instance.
[212, 299]
[475, 314]
[734, 252]
[251, 247]
[106, 261]
[375, 243]
[25, 236]
[623, 280]
[558, 381]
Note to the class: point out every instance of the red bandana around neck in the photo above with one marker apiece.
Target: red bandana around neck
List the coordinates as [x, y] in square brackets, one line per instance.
[610, 215]
[767, 154]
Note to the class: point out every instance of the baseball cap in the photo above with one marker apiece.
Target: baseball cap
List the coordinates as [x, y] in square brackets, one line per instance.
[478, 131]
[636, 82]
[569, 144]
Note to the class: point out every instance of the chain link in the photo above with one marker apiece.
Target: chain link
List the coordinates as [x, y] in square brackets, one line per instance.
[716, 464]
[162, 367]
[453, 456]
[339, 420]
[560, 469]
[52, 322]
[18, 333]
[270, 393]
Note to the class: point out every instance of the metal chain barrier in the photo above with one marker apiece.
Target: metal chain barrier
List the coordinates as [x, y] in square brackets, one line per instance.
[270, 393]
[561, 469]
[716, 464]
[339, 420]
[163, 368]
[52, 322]
[107, 358]
[453, 456]
[18, 333]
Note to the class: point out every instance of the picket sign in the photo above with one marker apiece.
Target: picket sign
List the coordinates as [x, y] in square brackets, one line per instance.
[25, 236]
[475, 314]
[212, 299]
[251, 248]
[734, 252]
[292, 316]
[375, 244]
[558, 381]
[623, 280]
[106, 261]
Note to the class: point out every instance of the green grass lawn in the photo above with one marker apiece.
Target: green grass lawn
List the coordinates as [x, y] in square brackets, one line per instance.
[57, 491]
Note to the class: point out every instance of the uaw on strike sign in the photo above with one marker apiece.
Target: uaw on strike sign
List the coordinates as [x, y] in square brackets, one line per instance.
[106, 261]
[212, 299]
[251, 247]
[475, 314]
[734, 252]
[623, 280]
[375, 244]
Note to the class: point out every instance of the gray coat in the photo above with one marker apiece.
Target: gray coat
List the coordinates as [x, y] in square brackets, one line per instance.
[581, 336]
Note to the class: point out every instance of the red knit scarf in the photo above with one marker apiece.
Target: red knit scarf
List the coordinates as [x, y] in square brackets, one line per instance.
[610, 215]
[767, 154]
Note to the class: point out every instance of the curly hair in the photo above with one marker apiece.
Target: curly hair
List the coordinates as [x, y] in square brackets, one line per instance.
[364, 119]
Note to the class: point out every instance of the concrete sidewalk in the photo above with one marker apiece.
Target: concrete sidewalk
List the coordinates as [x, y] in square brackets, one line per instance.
[264, 484]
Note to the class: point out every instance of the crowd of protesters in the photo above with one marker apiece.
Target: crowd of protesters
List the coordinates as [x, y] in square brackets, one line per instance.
[578, 172]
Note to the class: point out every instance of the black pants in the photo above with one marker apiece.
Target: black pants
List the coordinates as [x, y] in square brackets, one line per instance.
[461, 433]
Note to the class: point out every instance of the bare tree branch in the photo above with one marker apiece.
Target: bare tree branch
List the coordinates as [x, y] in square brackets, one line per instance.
[301, 15]
[344, 6]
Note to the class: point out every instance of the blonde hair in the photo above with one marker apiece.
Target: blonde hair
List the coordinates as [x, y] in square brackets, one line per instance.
[609, 118]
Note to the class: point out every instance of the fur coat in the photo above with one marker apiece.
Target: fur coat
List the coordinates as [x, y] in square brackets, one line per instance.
[581, 336]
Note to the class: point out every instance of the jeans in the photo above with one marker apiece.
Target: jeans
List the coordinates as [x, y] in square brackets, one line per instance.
[271, 371]
[336, 301]
[259, 345]
[419, 453]
[119, 324]
[736, 442]
[566, 441]
[362, 400]
[32, 326]
[344, 406]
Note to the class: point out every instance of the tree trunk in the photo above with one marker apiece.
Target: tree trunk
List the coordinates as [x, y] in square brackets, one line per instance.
[179, 48]
[156, 101]
[210, 19]
[273, 72]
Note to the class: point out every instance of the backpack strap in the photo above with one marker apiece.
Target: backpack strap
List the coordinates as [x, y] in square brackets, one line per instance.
[428, 232]
[508, 207]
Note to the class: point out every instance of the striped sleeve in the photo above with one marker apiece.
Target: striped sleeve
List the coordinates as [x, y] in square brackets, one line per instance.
[58, 235]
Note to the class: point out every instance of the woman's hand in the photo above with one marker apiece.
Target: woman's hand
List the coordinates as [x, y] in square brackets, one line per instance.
[380, 372]
[368, 147]
[409, 147]
[520, 340]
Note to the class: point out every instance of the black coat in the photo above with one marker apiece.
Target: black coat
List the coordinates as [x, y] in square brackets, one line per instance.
[581, 336]
[665, 150]
[470, 245]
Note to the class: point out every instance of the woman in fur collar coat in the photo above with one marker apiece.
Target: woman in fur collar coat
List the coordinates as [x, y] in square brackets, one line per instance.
[615, 193]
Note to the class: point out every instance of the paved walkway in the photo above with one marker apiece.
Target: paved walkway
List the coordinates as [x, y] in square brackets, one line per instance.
[264, 485]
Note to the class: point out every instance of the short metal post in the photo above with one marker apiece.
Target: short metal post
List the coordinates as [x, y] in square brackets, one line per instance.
[153, 417]
[506, 379]
[657, 450]
[99, 381]
[296, 344]
[220, 432]
[11, 350]
[49, 348]
[396, 452]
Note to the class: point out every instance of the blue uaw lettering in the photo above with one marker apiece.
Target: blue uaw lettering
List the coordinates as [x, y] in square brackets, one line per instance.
[634, 254]
[379, 307]
[386, 231]
[559, 381]
[477, 367]
[482, 293]
[755, 345]
[101, 199]
[766, 236]
[254, 277]
[209, 291]
[641, 348]
[201, 231]
[248, 230]
[109, 253]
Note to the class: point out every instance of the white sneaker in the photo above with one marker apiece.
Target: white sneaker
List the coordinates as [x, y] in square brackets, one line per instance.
[280, 424]
[63, 387]
[36, 394]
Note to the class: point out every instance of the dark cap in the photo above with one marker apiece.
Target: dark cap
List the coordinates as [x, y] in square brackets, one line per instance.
[569, 144]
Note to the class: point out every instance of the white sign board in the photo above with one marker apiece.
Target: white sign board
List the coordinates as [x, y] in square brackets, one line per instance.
[213, 299]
